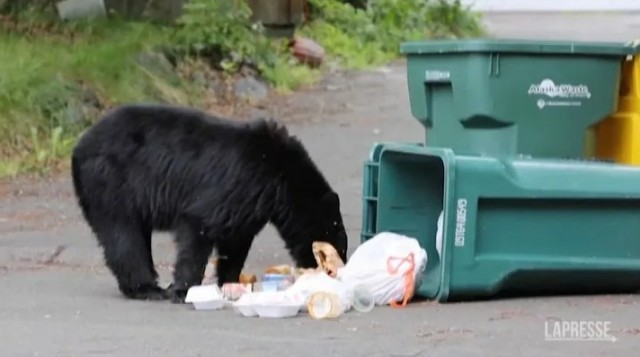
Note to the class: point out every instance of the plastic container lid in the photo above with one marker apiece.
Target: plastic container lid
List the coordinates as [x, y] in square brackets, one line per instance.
[203, 293]
[362, 299]
[519, 46]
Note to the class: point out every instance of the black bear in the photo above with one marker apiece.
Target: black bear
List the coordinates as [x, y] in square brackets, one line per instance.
[211, 181]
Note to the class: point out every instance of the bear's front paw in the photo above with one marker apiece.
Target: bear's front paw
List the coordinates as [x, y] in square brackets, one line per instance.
[176, 296]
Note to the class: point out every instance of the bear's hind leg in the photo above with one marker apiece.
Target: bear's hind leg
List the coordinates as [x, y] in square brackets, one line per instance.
[194, 248]
[127, 253]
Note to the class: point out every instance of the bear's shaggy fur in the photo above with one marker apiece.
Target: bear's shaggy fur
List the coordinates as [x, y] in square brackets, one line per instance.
[213, 182]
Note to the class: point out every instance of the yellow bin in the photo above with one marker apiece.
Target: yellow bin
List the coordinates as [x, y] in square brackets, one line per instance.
[618, 136]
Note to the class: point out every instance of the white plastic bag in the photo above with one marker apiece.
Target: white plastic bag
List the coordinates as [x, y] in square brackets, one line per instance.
[310, 283]
[389, 265]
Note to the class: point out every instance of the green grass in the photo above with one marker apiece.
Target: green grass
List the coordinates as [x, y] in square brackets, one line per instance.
[44, 76]
[101, 55]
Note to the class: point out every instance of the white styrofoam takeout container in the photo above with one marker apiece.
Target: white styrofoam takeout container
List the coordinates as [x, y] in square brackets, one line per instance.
[277, 310]
[205, 297]
[266, 304]
[245, 305]
[244, 309]
[209, 305]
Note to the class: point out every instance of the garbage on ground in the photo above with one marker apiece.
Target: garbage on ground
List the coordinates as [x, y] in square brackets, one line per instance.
[327, 258]
[210, 271]
[362, 299]
[323, 305]
[284, 269]
[233, 291]
[389, 265]
[385, 270]
[267, 304]
[274, 282]
[205, 297]
[319, 282]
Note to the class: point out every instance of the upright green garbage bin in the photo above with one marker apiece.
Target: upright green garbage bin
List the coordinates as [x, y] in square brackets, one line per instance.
[505, 97]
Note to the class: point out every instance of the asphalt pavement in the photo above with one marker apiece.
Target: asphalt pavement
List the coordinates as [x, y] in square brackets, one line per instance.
[58, 299]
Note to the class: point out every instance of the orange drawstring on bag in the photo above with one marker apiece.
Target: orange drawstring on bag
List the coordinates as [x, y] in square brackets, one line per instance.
[409, 280]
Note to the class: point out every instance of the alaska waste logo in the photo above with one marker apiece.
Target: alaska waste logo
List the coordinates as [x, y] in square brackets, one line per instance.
[562, 95]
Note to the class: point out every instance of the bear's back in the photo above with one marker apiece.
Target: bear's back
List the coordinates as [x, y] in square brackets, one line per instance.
[128, 128]
[164, 136]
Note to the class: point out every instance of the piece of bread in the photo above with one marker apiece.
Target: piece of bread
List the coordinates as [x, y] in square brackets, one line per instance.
[278, 269]
[327, 258]
[301, 271]
[247, 278]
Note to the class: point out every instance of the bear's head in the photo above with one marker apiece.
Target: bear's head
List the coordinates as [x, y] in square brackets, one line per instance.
[332, 230]
[324, 224]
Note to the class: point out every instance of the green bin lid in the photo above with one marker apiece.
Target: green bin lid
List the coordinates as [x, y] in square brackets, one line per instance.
[518, 46]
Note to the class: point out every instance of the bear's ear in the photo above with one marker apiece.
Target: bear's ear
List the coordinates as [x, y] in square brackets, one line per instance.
[330, 201]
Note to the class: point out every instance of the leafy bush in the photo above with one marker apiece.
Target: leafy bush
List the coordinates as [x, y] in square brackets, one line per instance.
[370, 36]
[219, 30]
[447, 18]
[222, 33]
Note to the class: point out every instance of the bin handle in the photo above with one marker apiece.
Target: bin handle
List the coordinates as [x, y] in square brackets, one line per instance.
[494, 64]
[422, 86]
[430, 85]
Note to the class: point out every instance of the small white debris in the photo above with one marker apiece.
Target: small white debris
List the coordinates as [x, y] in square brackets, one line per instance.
[384, 70]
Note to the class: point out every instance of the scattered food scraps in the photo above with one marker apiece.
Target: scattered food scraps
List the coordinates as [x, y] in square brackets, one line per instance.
[328, 291]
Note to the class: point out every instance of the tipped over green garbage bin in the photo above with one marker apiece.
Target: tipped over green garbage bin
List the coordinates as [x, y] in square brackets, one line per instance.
[512, 226]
